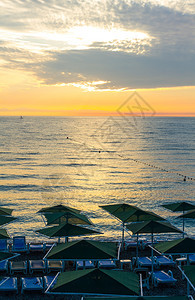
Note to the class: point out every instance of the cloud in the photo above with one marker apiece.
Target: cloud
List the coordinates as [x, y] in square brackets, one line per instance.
[93, 44]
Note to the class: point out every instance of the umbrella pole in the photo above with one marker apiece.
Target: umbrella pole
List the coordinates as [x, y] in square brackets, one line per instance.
[152, 254]
[183, 228]
[137, 249]
[123, 233]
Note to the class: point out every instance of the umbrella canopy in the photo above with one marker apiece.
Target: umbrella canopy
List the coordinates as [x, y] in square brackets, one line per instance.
[5, 211]
[66, 230]
[4, 234]
[190, 273]
[179, 206]
[190, 214]
[59, 208]
[120, 211]
[181, 246]
[66, 217]
[152, 227]
[97, 281]
[84, 250]
[6, 219]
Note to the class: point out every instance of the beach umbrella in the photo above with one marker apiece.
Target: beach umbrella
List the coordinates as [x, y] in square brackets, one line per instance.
[4, 234]
[58, 208]
[66, 217]
[152, 227]
[66, 230]
[121, 212]
[190, 273]
[179, 246]
[98, 282]
[128, 213]
[6, 219]
[84, 250]
[5, 211]
[6, 255]
[179, 206]
[190, 214]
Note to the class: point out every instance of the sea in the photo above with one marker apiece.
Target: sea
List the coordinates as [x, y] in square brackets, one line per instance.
[86, 162]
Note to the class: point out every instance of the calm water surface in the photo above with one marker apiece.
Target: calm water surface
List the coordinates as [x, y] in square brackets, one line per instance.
[94, 166]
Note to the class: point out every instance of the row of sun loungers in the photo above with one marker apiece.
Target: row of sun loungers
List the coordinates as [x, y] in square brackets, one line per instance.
[20, 245]
[46, 266]
[27, 284]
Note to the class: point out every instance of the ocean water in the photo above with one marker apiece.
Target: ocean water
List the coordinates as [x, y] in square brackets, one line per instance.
[85, 162]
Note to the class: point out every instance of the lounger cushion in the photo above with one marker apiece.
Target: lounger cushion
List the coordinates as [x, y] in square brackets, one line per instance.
[8, 284]
[88, 264]
[161, 277]
[3, 265]
[37, 264]
[32, 284]
[107, 264]
[18, 265]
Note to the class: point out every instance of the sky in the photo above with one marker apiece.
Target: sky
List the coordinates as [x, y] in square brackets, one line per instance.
[103, 57]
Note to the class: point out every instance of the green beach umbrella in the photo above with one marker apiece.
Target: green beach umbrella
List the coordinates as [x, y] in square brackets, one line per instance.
[58, 208]
[6, 219]
[84, 250]
[190, 273]
[4, 234]
[179, 246]
[152, 227]
[179, 206]
[5, 211]
[98, 282]
[66, 230]
[66, 217]
[128, 213]
[190, 214]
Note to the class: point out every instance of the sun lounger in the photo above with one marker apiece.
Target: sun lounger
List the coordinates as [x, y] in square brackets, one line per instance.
[32, 284]
[162, 261]
[8, 284]
[144, 262]
[49, 281]
[88, 264]
[18, 266]
[55, 265]
[3, 245]
[161, 277]
[191, 259]
[108, 264]
[19, 244]
[37, 265]
[4, 266]
[36, 247]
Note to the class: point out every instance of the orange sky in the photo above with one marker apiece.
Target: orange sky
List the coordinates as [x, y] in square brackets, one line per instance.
[21, 94]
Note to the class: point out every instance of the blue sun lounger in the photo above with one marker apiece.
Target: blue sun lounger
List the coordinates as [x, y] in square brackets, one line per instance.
[144, 262]
[161, 277]
[36, 247]
[162, 261]
[19, 244]
[88, 264]
[55, 265]
[32, 284]
[37, 265]
[192, 259]
[4, 265]
[9, 284]
[3, 245]
[107, 264]
[18, 266]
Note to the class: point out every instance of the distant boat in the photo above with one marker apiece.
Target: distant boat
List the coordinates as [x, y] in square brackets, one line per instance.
[21, 117]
